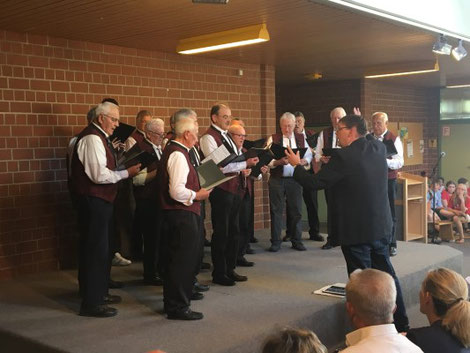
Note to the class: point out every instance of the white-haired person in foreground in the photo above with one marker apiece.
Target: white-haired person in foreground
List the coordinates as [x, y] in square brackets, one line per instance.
[290, 340]
[370, 303]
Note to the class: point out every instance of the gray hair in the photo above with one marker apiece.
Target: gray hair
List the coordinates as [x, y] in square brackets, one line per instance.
[154, 124]
[183, 125]
[380, 114]
[287, 116]
[183, 113]
[338, 109]
[91, 115]
[105, 108]
[372, 293]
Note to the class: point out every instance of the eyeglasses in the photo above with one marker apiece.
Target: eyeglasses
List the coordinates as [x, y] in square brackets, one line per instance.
[341, 128]
[112, 118]
[159, 134]
[240, 135]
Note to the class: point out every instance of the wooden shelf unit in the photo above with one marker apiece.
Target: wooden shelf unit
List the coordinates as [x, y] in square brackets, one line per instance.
[414, 206]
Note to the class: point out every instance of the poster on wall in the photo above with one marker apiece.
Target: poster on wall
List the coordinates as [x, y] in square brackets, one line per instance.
[446, 131]
[409, 148]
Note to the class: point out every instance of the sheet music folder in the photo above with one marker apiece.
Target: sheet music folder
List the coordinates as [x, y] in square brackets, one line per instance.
[122, 132]
[279, 151]
[134, 156]
[210, 175]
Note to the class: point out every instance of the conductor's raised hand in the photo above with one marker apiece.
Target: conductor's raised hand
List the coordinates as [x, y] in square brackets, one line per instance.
[293, 158]
[202, 194]
[134, 170]
[356, 111]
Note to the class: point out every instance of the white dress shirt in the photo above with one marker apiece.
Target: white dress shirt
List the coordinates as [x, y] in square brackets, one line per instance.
[92, 153]
[139, 179]
[178, 170]
[397, 161]
[208, 145]
[288, 169]
[379, 338]
[321, 144]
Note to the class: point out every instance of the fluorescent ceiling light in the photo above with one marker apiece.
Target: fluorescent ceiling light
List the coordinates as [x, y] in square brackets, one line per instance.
[395, 17]
[459, 86]
[459, 52]
[223, 40]
[405, 69]
[441, 46]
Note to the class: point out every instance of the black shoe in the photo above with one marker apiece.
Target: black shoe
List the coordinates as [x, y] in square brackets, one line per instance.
[316, 237]
[223, 281]
[205, 266]
[393, 251]
[199, 287]
[98, 311]
[327, 246]
[115, 284]
[250, 251]
[286, 238]
[253, 240]
[188, 314]
[197, 296]
[112, 299]
[245, 263]
[153, 281]
[274, 248]
[236, 277]
[436, 240]
[298, 246]
[207, 242]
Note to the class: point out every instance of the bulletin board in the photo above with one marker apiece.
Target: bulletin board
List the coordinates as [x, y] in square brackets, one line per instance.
[411, 135]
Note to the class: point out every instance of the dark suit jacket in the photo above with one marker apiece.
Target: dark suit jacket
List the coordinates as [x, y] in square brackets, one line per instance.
[435, 339]
[357, 181]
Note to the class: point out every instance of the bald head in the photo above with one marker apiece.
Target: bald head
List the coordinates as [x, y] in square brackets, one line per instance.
[336, 115]
[238, 134]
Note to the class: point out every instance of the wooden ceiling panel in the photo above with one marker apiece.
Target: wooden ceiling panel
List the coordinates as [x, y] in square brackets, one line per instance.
[306, 37]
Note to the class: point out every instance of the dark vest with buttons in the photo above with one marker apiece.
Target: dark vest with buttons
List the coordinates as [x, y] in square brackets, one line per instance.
[81, 183]
[277, 139]
[392, 174]
[138, 136]
[151, 189]
[328, 137]
[233, 185]
[192, 183]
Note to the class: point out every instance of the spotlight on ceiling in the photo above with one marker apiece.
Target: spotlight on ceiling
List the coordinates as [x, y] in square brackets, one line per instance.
[459, 52]
[223, 2]
[441, 46]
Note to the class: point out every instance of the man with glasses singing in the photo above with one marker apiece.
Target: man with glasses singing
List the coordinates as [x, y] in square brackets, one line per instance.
[147, 213]
[94, 180]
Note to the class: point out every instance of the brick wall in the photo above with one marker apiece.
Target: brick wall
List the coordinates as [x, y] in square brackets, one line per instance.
[47, 85]
[402, 103]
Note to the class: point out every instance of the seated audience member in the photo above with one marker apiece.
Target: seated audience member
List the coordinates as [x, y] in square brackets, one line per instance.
[459, 205]
[464, 181]
[447, 193]
[444, 300]
[370, 303]
[434, 196]
[290, 340]
[441, 181]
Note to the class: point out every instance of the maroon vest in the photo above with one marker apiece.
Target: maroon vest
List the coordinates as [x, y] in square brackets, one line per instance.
[392, 174]
[246, 184]
[81, 183]
[192, 183]
[138, 136]
[151, 189]
[328, 137]
[233, 185]
[277, 138]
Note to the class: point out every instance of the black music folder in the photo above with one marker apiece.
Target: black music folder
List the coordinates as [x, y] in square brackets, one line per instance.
[254, 144]
[122, 132]
[134, 156]
[279, 152]
[210, 175]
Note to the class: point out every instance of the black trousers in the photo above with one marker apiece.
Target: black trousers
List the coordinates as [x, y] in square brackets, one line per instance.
[280, 191]
[376, 255]
[149, 218]
[392, 191]
[225, 210]
[95, 217]
[311, 201]
[183, 242]
[245, 224]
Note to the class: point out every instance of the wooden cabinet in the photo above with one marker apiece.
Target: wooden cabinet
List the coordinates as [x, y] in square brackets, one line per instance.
[414, 188]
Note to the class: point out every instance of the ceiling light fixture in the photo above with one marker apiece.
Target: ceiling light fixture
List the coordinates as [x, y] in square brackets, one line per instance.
[459, 52]
[405, 69]
[210, 1]
[459, 86]
[223, 40]
[441, 47]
